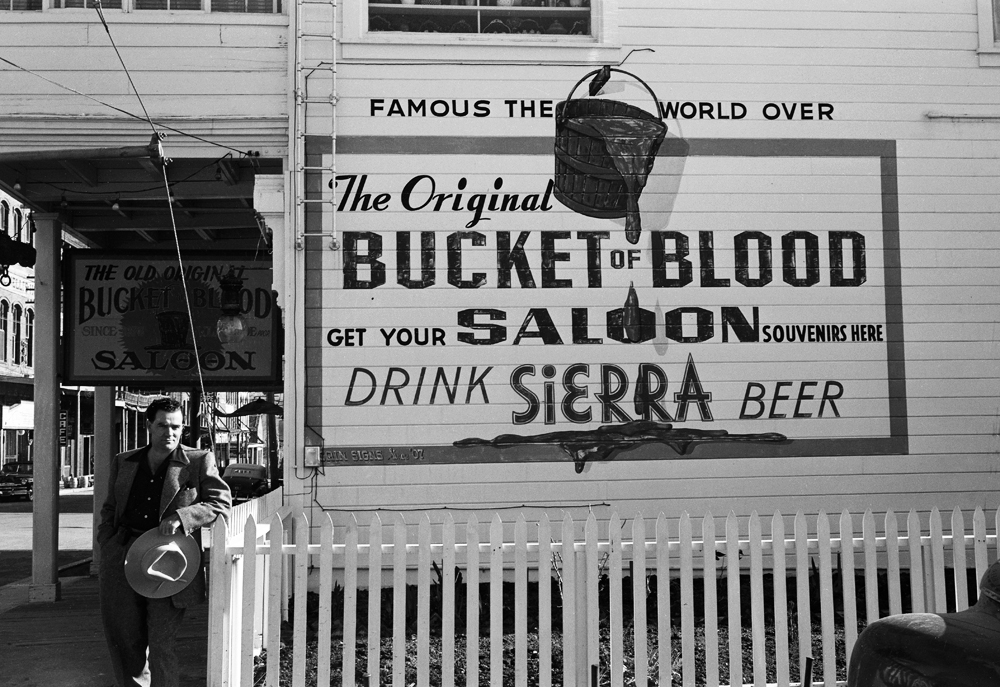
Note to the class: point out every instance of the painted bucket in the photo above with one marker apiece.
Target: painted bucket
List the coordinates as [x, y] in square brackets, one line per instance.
[587, 180]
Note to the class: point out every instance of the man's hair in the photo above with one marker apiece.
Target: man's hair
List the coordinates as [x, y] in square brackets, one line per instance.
[167, 405]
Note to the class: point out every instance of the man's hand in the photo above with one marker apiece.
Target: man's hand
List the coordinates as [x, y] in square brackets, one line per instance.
[170, 525]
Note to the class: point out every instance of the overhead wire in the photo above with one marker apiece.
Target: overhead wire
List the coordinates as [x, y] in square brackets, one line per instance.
[173, 220]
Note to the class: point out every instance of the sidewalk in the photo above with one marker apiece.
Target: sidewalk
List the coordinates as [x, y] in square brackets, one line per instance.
[61, 644]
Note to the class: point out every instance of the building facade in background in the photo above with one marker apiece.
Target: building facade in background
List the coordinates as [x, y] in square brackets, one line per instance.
[17, 320]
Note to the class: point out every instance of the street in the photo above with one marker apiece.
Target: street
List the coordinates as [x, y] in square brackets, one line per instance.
[75, 532]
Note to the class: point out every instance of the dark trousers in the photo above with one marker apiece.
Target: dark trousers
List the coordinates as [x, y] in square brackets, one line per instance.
[141, 632]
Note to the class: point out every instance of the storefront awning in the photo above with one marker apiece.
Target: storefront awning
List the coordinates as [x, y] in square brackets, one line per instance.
[14, 389]
[21, 416]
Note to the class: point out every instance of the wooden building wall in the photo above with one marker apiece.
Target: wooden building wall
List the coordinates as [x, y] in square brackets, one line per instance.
[901, 72]
[219, 76]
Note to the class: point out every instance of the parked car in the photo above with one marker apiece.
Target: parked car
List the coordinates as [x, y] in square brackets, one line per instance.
[17, 480]
[246, 480]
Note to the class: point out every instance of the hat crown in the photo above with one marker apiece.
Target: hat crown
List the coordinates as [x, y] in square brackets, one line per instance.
[166, 562]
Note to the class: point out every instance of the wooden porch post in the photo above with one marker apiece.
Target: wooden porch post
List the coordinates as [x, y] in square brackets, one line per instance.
[45, 517]
[105, 446]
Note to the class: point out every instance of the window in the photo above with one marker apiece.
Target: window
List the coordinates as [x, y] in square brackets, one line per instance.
[29, 337]
[21, 5]
[105, 4]
[16, 228]
[167, 4]
[247, 6]
[4, 314]
[5, 217]
[497, 31]
[16, 335]
[989, 33]
[529, 17]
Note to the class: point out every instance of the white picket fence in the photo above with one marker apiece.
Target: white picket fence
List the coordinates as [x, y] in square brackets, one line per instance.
[246, 616]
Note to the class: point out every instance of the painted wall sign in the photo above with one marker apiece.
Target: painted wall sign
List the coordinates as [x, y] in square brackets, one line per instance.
[126, 321]
[471, 317]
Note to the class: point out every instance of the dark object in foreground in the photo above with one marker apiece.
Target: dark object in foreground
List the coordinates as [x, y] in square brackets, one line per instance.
[933, 650]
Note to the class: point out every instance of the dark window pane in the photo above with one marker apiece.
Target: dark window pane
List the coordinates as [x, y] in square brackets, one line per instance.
[21, 5]
[250, 6]
[168, 4]
[548, 17]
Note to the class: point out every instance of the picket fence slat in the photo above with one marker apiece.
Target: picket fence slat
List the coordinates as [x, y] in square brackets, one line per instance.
[448, 560]
[472, 609]
[399, 603]
[757, 601]
[937, 562]
[916, 562]
[520, 601]
[780, 600]
[687, 605]
[802, 589]
[496, 602]
[711, 601]
[251, 559]
[847, 581]
[325, 628]
[826, 599]
[733, 594]
[979, 546]
[868, 535]
[958, 559]
[301, 583]
[272, 641]
[616, 661]
[350, 603]
[424, 603]
[247, 607]
[665, 653]
[544, 602]
[374, 600]
[892, 555]
[569, 616]
[592, 573]
[639, 662]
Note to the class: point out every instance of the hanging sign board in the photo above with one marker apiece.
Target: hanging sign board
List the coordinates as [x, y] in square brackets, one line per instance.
[484, 309]
[127, 321]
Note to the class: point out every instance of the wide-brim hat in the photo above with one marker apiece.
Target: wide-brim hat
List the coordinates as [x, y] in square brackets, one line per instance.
[159, 565]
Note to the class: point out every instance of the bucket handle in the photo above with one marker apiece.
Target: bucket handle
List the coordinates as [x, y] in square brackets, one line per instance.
[620, 71]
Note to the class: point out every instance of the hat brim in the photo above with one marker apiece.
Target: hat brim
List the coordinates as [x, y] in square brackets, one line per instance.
[151, 586]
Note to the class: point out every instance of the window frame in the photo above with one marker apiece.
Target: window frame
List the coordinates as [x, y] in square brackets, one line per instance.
[989, 33]
[128, 8]
[29, 336]
[388, 47]
[15, 320]
[4, 329]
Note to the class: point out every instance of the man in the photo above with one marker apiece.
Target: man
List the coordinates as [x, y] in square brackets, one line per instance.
[164, 486]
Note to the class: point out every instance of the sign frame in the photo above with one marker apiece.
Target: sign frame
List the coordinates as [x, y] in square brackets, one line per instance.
[270, 377]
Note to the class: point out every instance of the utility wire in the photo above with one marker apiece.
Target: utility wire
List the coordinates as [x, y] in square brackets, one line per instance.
[100, 14]
[170, 206]
[187, 298]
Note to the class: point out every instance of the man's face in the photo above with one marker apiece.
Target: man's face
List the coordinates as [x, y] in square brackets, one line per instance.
[165, 430]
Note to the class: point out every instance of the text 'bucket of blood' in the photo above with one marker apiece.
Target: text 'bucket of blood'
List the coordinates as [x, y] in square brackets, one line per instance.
[604, 153]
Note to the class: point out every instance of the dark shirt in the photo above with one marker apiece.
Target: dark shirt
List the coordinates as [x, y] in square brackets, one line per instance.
[142, 510]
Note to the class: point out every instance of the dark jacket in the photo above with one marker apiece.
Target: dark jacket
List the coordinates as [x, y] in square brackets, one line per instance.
[192, 489]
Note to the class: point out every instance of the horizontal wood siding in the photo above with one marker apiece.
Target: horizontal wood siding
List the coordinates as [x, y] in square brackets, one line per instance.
[213, 75]
[883, 67]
